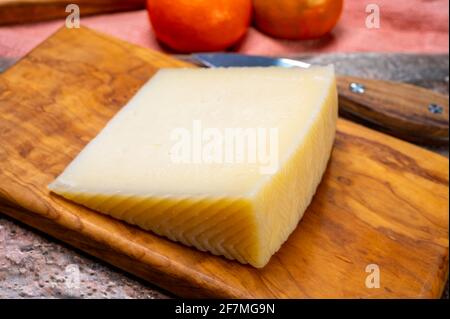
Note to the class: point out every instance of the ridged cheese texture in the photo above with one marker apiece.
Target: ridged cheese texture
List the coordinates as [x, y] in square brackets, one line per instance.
[228, 209]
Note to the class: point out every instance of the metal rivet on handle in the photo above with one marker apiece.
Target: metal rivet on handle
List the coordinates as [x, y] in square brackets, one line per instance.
[435, 109]
[357, 88]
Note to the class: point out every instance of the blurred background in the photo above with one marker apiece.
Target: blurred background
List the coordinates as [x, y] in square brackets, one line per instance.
[266, 27]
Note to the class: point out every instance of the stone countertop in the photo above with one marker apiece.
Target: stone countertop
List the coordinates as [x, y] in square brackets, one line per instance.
[34, 265]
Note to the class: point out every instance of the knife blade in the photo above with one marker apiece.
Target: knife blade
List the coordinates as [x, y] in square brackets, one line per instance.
[241, 60]
[403, 110]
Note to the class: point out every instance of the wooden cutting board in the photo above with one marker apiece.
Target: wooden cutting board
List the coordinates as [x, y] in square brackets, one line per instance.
[382, 201]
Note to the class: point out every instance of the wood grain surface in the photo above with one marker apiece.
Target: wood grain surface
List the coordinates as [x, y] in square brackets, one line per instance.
[24, 11]
[400, 109]
[382, 201]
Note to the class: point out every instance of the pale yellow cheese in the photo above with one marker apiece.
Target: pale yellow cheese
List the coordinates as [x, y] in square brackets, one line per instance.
[229, 208]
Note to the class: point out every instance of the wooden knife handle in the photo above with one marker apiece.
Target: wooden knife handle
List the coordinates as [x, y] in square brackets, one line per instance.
[24, 11]
[404, 110]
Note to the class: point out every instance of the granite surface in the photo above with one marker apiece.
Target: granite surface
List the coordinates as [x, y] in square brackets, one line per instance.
[33, 265]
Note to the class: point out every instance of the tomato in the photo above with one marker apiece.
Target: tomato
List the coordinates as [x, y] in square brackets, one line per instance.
[297, 19]
[199, 25]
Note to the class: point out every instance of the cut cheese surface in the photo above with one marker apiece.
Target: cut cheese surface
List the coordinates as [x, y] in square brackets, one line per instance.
[225, 160]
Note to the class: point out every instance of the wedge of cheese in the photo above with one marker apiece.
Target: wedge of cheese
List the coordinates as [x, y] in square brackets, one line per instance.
[225, 160]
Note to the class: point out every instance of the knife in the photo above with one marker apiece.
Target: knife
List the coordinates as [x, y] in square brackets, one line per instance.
[406, 111]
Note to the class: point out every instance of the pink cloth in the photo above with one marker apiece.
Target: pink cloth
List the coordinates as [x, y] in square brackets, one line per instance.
[406, 26]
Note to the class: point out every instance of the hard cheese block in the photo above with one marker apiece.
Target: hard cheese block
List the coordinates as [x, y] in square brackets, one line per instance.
[225, 160]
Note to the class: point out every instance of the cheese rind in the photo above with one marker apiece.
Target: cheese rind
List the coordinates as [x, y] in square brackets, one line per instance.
[229, 209]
